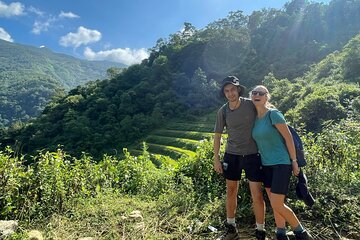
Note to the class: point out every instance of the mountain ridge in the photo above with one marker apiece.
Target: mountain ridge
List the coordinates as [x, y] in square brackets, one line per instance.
[31, 76]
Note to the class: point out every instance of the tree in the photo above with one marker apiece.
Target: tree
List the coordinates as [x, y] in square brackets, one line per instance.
[113, 72]
[351, 62]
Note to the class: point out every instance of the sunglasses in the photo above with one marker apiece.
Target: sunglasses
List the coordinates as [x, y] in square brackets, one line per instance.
[254, 93]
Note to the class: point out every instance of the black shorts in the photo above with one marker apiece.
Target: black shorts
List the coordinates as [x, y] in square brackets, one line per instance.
[277, 178]
[234, 164]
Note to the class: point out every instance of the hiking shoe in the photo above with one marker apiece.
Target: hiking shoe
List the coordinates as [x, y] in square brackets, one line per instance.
[304, 235]
[231, 233]
[282, 237]
[260, 234]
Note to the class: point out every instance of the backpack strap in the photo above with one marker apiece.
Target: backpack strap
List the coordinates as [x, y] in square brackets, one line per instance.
[270, 117]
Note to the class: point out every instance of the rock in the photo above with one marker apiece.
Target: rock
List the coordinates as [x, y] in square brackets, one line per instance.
[35, 235]
[7, 228]
[136, 214]
[140, 226]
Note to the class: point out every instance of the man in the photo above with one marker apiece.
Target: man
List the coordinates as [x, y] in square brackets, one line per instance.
[241, 153]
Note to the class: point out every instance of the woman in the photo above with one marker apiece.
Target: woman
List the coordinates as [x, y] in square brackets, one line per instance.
[278, 157]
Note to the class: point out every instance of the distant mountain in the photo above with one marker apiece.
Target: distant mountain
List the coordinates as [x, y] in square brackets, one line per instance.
[30, 76]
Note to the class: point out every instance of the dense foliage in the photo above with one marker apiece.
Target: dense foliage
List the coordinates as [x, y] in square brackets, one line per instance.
[328, 92]
[187, 190]
[31, 76]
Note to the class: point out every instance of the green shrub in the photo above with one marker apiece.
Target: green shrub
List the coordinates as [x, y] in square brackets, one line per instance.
[14, 184]
[333, 171]
[188, 193]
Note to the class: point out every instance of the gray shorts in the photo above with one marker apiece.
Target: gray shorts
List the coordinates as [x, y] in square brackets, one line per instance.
[234, 164]
[277, 178]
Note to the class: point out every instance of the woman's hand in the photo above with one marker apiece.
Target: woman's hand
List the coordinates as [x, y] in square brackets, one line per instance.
[295, 168]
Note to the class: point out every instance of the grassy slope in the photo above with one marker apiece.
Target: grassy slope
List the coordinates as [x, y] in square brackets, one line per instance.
[111, 216]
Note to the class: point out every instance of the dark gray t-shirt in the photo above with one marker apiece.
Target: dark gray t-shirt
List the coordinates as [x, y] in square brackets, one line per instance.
[239, 125]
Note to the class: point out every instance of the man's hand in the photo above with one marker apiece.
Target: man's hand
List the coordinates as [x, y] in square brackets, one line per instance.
[217, 164]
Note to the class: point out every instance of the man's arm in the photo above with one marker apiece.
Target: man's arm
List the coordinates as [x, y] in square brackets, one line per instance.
[217, 163]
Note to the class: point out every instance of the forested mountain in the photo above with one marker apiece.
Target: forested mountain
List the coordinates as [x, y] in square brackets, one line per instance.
[177, 80]
[327, 93]
[283, 41]
[30, 76]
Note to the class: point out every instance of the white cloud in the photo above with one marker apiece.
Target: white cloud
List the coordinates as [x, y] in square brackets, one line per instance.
[126, 56]
[36, 11]
[42, 26]
[5, 36]
[13, 9]
[83, 36]
[46, 21]
[67, 15]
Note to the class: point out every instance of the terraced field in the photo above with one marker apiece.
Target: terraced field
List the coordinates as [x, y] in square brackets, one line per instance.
[178, 137]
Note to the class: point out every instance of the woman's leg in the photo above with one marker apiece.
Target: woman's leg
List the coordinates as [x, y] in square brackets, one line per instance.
[279, 220]
[279, 207]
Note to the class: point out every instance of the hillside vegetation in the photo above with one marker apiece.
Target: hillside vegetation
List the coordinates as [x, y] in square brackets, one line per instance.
[325, 94]
[68, 198]
[30, 76]
[180, 78]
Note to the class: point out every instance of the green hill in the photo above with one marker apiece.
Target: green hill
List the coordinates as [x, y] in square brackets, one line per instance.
[30, 76]
[180, 79]
[326, 94]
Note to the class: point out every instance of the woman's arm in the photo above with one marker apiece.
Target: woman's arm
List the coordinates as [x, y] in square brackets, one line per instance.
[285, 133]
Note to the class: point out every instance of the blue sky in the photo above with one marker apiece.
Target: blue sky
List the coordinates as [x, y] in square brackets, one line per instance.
[115, 30]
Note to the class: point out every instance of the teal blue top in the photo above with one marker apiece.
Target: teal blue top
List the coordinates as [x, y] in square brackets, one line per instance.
[270, 142]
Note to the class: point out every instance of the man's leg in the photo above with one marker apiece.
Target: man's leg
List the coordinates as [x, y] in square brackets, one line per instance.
[231, 232]
[231, 198]
[259, 209]
[231, 170]
[254, 172]
[257, 201]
